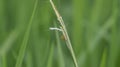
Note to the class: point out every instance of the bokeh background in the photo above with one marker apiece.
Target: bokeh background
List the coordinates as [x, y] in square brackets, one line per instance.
[93, 27]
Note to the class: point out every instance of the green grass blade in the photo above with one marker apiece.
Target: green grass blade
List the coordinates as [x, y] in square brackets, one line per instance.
[78, 14]
[4, 60]
[104, 57]
[25, 40]
[51, 53]
[92, 30]
[29, 59]
[6, 46]
[60, 53]
[97, 39]
[101, 33]
[8, 42]
[114, 42]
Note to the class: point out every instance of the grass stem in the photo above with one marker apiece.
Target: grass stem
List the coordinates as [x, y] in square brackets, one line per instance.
[64, 31]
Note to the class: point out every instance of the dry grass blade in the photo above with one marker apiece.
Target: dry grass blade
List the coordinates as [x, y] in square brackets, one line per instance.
[64, 31]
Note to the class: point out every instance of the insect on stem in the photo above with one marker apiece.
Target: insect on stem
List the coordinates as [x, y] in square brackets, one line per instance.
[64, 31]
[51, 28]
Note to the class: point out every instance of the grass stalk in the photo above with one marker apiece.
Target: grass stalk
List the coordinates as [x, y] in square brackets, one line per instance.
[50, 61]
[29, 59]
[64, 31]
[104, 57]
[4, 60]
[25, 40]
[79, 12]
[114, 37]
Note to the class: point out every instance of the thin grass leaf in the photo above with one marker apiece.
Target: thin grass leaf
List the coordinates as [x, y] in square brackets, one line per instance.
[60, 53]
[101, 33]
[4, 60]
[97, 39]
[93, 26]
[9, 42]
[114, 42]
[29, 61]
[104, 58]
[78, 23]
[25, 39]
[50, 59]
[0, 61]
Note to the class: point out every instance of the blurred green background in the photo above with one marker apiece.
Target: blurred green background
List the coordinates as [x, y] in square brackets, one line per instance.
[26, 41]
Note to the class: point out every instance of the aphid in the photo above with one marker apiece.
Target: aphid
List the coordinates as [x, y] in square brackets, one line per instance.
[62, 37]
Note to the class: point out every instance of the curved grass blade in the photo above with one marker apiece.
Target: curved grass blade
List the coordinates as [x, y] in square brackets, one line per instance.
[8, 42]
[25, 40]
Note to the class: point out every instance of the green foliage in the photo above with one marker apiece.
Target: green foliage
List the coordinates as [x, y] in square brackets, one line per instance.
[26, 41]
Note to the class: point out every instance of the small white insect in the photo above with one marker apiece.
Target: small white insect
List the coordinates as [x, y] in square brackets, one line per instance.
[55, 28]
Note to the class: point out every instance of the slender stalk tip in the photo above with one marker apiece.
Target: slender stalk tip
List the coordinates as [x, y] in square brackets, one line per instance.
[50, 1]
[64, 31]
